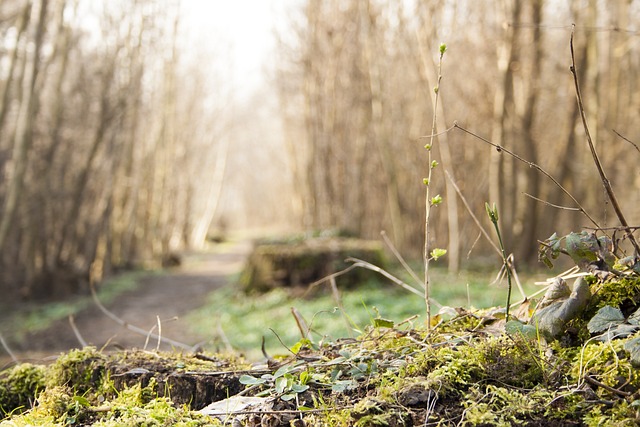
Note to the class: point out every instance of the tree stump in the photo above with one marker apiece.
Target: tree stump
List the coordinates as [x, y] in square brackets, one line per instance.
[297, 264]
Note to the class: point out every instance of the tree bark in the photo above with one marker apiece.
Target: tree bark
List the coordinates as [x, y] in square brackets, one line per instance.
[23, 136]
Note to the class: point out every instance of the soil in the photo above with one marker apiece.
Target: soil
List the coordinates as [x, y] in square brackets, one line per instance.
[168, 297]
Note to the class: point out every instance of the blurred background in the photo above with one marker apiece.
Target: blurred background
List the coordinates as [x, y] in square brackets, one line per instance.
[131, 130]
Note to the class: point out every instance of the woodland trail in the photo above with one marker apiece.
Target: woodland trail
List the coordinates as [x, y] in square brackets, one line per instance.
[169, 297]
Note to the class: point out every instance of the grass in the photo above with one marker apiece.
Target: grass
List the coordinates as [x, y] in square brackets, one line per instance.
[244, 320]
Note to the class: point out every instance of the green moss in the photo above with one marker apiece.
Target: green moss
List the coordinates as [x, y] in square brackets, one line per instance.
[622, 292]
[511, 361]
[502, 406]
[371, 412]
[19, 387]
[620, 414]
[606, 362]
[58, 406]
[139, 406]
[83, 370]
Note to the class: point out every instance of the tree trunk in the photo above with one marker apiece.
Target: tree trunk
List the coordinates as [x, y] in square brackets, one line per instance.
[529, 213]
[24, 129]
[499, 173]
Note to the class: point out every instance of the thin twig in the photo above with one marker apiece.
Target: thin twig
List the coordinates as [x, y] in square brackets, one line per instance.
[447, 130]
[493, 215]
[566, 208]
[134, 328]
[300, 323]
[338, 300]
[76, 332]
[364, 264]
[159, 333]
[594, 154]
[327, 278]
[475, 218]
[7, 349]
[399, 257]
[511, 263]
[428, 200]
[532, 165]
[597, 383]
[627, 139]
[223, 336]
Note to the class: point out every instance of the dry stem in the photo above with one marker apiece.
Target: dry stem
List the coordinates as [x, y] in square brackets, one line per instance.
[603, 177]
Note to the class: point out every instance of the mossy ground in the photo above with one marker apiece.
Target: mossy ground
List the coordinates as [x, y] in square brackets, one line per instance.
[467, 371]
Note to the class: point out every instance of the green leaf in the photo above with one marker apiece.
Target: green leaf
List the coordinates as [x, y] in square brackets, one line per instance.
[251, 380]
[82, 401]
[434, 163]
[606, 318]
[583, 248]
[299, 388]
[493, 213]
[436, 200]
[382, 323]
[281, 384]
[305, 376]
[634, 319]
[283, 370]
[633, 347]
[425, 181]
[514, 327]
[443, 48]
[303, 343]
[621, 331]
[437, 253]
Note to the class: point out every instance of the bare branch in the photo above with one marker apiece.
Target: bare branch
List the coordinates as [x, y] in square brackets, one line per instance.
[7, 349]
[364, 264]
[475, 218]
[532, 165]
[134, 328]
[76, 332]
[399, 257]
[626, 139]
[566, 208]
[605, 181]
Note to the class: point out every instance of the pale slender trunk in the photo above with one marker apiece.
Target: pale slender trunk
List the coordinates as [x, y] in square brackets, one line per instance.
[23, 136]
[199, 234]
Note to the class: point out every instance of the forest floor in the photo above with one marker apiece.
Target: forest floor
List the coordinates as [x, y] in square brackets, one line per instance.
[169, 297]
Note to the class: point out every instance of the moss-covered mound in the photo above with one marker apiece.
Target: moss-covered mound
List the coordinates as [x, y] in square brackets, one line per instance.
[299, 262]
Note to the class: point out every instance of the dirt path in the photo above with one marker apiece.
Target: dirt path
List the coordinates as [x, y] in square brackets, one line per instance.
[169, 297]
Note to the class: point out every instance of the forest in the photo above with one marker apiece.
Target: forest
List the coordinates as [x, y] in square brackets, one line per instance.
[116, 143]
[448, 129]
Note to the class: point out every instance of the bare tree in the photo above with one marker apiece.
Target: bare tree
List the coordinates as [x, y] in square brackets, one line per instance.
[24, 127]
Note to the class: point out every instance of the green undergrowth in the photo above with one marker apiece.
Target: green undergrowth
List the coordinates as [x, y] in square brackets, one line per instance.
[246, 319]
[387, 376]
[466, 371]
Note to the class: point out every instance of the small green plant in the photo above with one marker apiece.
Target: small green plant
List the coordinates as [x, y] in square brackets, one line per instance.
[286, 382]
[493, 216]
[431, 201]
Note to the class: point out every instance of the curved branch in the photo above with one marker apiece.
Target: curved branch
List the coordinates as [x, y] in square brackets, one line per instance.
[134, 328]
[532, 165]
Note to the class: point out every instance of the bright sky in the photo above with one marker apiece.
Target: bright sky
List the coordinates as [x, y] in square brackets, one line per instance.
[244, 26]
